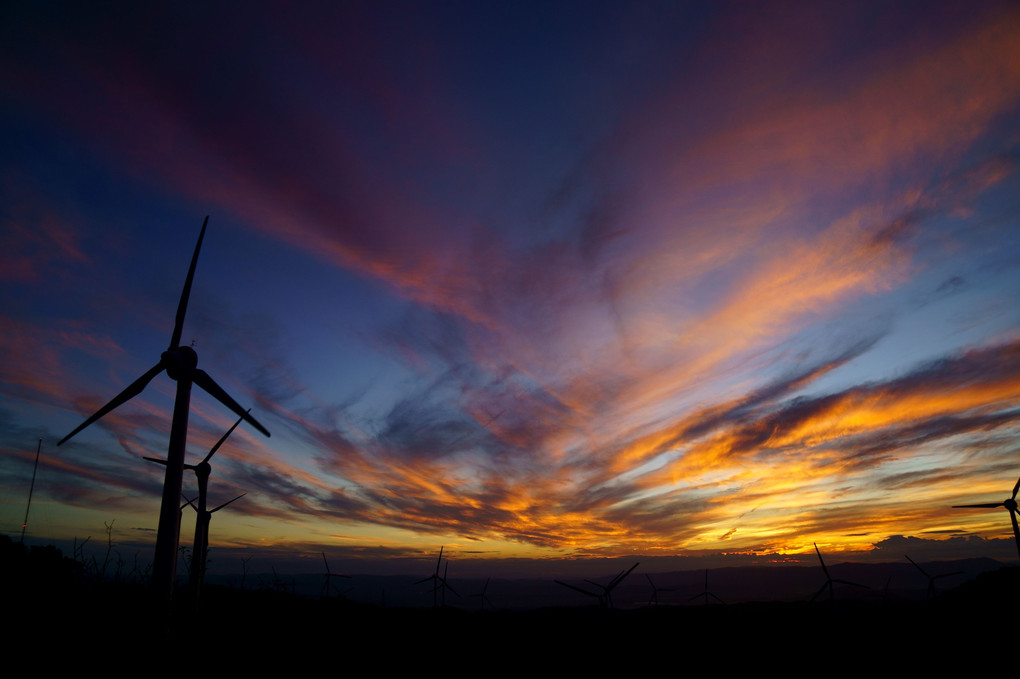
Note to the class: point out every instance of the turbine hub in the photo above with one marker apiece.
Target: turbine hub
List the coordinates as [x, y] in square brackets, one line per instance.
[1010, 504]
[180, 362]
[203, 469]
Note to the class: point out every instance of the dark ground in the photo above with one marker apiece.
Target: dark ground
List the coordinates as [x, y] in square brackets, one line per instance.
[59, 616]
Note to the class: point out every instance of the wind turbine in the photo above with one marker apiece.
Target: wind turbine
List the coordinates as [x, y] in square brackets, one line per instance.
[931, 594]
[707, 594]
[1011, 507]
[181, 364]
[328, 579]
[829, 581]
[438, 581]
[201, 552]
[606, 598]
[655, 591]
[607, 590]
[481, 595]
[202, 471]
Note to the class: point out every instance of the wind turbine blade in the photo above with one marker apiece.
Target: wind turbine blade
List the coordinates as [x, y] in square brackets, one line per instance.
[447, 586]
[440, 559]
[989, 506]
[224, 438]
[576, 589]
[133, 390]
[1016, 488]
[621, 577]
[202, 379]
[227, 503]
[821, 561]
[164, 462]
[917, 567]
[182, 307]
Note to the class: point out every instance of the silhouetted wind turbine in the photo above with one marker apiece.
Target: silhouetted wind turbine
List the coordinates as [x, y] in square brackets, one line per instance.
[608, 589]
[829, 581]
[181, 364]
[204, 517]
[1011, 507]
[481, 595]
[200, 551]
[708, 594]
[931, 594]
[328, 579]
[656, 590]
[438, 581]
[202, 471]
[606, 598]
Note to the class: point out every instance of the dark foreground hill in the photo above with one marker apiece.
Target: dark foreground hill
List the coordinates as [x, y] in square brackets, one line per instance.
[57, 616]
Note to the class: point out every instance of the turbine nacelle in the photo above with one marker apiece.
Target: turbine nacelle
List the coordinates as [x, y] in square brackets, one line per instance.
[180, 362]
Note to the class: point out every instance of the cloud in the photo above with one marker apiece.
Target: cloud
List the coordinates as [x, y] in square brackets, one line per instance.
[614, 325]
[36, 245]
[960, 547]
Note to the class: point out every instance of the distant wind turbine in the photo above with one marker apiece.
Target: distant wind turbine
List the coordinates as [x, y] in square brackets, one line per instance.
[708, 594]
[931, 594]
[438, 581]
[181, 364]
[481, 595]
[327, 581]
[654, 600]
[606, 597]
[608, 588]
[1011, 507]
[829, 581]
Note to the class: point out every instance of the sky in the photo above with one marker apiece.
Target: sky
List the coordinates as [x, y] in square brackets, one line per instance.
[534, 281]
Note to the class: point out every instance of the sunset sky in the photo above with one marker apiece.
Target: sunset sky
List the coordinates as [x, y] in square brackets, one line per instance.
[535, 280]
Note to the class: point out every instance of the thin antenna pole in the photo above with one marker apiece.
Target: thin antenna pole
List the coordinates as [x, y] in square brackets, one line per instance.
[30, 489]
